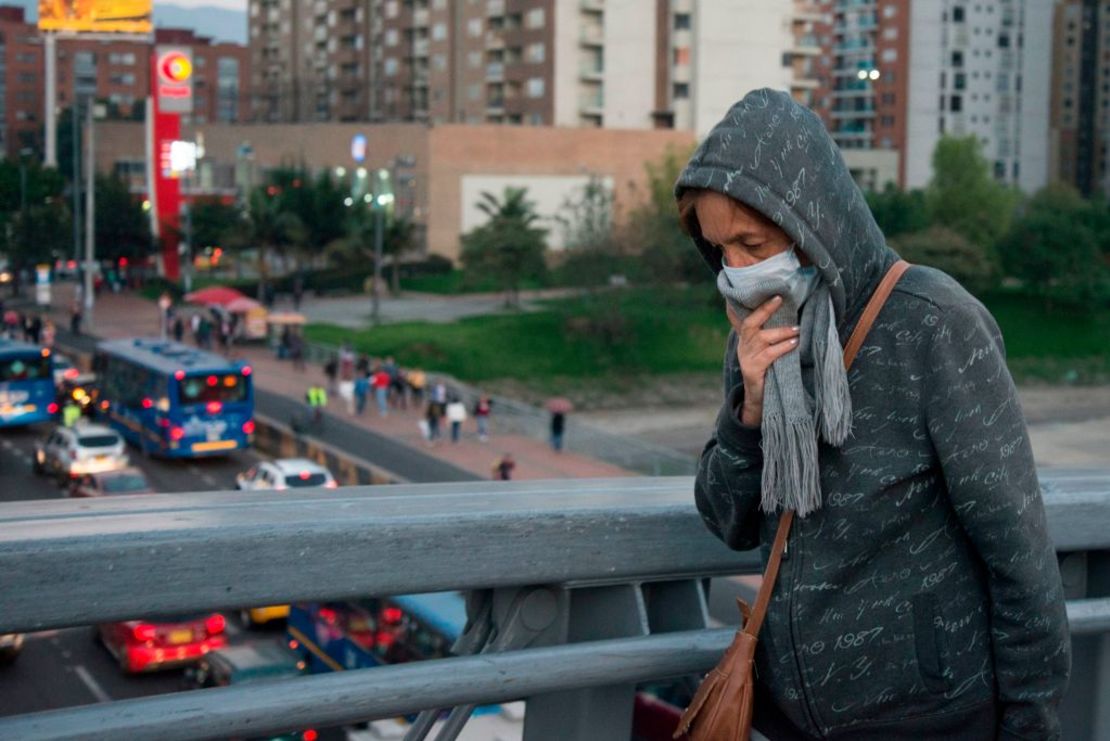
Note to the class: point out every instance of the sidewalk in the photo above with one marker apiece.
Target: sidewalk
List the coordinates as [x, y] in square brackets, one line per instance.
[129, 315]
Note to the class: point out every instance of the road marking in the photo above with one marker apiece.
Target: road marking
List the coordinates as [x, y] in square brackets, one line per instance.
[97, 691]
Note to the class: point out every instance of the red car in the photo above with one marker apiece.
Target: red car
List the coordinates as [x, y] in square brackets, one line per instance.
[146, 645]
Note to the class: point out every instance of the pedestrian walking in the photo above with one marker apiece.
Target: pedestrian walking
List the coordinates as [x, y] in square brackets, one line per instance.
[417, 380]
[919, 595]
[317, 399]
[379, 381]
[296, 351]
[178, 329]
[362, 390]
[49, 333]
[346, 373]
[558, 428]
[34, 331]
[75, 317]
[456, 415]
[482, 409]
[194, 328]
[331, 368]
[432, 414]
[503, 467]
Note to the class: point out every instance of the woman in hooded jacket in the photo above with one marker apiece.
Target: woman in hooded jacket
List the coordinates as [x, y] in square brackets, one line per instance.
[919, 596]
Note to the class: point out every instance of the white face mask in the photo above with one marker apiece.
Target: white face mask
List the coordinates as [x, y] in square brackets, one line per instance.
[783, 267]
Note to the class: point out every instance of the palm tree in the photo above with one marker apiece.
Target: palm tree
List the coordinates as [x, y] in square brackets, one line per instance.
[398, 238]
[509, 247]
[270, 229]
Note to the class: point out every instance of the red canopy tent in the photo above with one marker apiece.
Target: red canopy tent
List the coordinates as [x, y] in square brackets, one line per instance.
[214, 296]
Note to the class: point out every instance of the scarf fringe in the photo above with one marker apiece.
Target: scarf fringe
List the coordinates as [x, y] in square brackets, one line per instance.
[834, 399]
[791, 476]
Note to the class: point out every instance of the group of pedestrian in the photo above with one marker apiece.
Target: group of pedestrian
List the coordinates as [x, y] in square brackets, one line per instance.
[28, 327]
[217, 329]
[359, 378]
[444, 406]
[291, 345]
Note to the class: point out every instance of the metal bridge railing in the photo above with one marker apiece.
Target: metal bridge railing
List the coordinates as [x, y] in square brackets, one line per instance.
[591, 585]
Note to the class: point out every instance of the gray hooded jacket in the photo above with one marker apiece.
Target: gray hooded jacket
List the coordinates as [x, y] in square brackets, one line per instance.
[924, 597]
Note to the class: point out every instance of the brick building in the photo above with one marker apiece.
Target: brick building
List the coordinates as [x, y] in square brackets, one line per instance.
[117, 72]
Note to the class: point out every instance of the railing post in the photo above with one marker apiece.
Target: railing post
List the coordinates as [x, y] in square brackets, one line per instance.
[1084, 712]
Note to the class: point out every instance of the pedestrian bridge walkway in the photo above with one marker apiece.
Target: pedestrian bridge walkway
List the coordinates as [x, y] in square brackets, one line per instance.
[598, 584]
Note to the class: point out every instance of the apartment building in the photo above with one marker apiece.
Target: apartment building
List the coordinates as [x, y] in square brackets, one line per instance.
[635, 64]
[116, 72]
[1080, 110]
[983, 69]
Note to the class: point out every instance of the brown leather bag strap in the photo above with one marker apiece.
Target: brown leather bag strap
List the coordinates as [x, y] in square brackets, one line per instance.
[871, 311]
[855, 341]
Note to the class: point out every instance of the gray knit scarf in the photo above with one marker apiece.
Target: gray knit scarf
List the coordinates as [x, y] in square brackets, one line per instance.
[791, 416]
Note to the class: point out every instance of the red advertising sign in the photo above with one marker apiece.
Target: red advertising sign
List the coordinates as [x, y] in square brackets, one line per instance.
[174, 79]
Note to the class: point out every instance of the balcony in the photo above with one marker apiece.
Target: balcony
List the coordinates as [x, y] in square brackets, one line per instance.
[807, 46]
[592, 37]
[591, 72]
[592, 6]
[804, 83]
[495, 8]
[494, 40]
[591, 104]
[613, 573]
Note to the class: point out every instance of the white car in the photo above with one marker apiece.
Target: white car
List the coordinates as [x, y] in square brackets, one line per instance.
[70, 452]
[285, 473]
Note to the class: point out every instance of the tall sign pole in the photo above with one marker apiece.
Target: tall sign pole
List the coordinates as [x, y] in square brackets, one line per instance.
[172, 94]
[50, 50]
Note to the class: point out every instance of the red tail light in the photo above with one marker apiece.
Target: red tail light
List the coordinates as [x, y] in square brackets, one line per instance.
[309, 735]
[385, 639]
[143, 632]
[212, 380]
[104, 404]
[246, 370]
[392, 615]
[327, 615]
[215, 624]
[52, 408]
[213, 407]
[248, 427]
[293, 644]
[147, 403]
[179, 375]
[71, 373]
[176, 433]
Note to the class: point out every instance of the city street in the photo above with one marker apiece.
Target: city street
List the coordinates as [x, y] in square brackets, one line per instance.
[61, 668]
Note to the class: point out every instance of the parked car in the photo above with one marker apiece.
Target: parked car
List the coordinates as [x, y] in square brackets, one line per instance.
[147, 645]
[285, 473]
[10, 646]
[108, 483]
[70, 452]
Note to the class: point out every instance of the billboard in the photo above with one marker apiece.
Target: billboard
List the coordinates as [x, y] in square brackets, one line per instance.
[96, 16]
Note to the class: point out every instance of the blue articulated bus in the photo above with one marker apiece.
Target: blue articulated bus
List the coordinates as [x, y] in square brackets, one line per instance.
[171, 400]
[27, 391]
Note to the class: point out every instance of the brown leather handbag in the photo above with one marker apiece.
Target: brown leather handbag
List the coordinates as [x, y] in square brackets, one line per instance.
[723, 706]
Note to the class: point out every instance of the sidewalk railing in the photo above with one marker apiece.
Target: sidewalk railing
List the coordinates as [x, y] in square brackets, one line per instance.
[511, 416]
[603, 584]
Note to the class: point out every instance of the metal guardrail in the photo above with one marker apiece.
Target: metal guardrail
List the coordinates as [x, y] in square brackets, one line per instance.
[511, 416]
[600, 582]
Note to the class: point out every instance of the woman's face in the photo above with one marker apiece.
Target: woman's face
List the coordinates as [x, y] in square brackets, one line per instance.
[743, 235]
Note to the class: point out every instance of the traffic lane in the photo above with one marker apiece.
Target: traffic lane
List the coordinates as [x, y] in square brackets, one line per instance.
[17, 480]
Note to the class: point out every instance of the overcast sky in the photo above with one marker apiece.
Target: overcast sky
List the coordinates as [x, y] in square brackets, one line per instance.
[229, 4]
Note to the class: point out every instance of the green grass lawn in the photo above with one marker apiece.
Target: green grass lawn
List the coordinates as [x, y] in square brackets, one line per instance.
[452, 284]
[682, 331]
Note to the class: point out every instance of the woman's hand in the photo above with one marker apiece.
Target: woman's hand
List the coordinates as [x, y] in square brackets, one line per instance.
[756, 350]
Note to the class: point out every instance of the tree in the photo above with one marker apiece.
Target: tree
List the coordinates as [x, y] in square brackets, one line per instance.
[398, 238]
[950, 251]
[316, 202]
[653, 231]
[1057, 247]
[964, 197]
[122, 228]
[35, 235]
[214, 222]
[270, 229]
[509, 247]
[898, 211]
[591, 250]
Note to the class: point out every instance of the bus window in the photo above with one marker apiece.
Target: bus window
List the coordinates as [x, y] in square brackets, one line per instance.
[223, 388]
[25, 369]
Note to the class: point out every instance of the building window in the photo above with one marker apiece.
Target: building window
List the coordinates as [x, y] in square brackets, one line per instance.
[439, 62]
[535, 119]
[535, 87]
[391, 67]
[887, 121]
[534, 19]
[682, 56]
[1003, 41]
[474, 59]
[889, 55]
[124, 79]
[888, 98]
[959, 81]
[958, 14]
[957, 59]
[473, 92]
[682, 21]
[681, 91]
[392, 9]
[392, 37]
[956, 104]
[535, 53]
[474, 27]
[439, 31]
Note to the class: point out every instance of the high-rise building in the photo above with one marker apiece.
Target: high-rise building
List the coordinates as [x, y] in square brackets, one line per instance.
[114, 71]
[633, 64]
[1080, 113]
[983, 69]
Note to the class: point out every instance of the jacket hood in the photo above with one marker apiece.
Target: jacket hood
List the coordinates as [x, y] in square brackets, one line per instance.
[774, 155]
